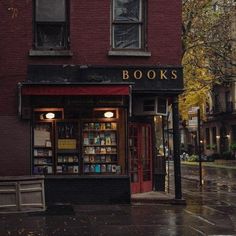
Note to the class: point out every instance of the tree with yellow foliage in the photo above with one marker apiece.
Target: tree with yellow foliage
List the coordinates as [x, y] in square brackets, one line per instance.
[206, 43]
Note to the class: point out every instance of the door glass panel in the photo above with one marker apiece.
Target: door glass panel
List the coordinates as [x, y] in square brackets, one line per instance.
[146, 163]
[133, 153]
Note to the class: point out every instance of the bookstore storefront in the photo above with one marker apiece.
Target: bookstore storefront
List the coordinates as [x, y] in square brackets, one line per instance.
[82, 121]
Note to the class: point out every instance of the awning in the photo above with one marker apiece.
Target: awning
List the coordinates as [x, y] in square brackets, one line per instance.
[75, 90]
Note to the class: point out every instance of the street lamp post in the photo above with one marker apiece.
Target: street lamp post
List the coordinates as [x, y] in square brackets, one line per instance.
[199, 147]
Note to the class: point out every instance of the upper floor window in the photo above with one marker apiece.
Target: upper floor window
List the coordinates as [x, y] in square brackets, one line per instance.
[51, 26]
[128, 24]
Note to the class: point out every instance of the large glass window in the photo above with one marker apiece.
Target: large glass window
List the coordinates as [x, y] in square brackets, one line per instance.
[51, 28]
[127, 24]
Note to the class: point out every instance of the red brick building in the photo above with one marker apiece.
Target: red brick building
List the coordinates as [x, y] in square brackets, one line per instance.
[77, 60]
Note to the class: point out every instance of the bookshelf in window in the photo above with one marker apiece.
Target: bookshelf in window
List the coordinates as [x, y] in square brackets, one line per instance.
[100, 150]
[43, 148]
[67, 143]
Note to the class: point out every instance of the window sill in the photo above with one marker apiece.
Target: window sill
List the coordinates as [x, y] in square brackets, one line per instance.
[50, 53]
[129, 53]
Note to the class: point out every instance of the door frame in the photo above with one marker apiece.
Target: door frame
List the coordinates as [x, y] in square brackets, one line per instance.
[140, 167]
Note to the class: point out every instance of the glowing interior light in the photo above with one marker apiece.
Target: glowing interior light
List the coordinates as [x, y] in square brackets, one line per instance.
[50, 115]
[108, 114]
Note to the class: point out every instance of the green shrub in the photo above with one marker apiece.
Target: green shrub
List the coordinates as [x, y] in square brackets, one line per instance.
[193, 158]
[233, 146]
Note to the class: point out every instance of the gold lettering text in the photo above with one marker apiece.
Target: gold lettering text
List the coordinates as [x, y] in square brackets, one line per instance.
[163, 74]
[173, 74]
[138, 74]
[151, 74]
[125, 74]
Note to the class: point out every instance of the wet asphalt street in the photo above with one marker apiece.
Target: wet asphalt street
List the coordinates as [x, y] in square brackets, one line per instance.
[210, 210]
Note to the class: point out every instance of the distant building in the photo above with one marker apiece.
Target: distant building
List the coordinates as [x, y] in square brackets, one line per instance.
[220, 127]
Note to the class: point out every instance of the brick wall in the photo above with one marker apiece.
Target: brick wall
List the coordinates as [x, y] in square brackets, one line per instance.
[14, 146]
[90, 43]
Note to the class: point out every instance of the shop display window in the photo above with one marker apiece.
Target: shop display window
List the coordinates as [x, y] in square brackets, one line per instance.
[76, 146]
[100, 152]
[67, 147]
[43, 148]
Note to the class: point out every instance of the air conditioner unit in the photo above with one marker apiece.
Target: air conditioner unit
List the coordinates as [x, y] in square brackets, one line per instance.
[150, 106]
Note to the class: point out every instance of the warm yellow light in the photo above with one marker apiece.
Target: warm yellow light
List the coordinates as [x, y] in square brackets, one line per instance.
[108, 114]
[50, 115]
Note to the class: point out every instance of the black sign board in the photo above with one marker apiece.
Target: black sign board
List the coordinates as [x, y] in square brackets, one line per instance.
[143, 78]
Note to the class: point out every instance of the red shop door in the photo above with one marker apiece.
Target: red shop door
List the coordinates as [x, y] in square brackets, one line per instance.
[140, 157]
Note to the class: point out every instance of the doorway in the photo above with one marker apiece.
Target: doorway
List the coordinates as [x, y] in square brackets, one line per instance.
[140, 157]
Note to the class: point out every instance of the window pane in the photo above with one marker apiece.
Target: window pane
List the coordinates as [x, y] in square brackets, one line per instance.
[50, 10]
[127, 10]
[126, 36]
[50, 36]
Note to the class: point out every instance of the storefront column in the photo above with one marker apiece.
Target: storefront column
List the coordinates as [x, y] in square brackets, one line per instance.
[176, 144]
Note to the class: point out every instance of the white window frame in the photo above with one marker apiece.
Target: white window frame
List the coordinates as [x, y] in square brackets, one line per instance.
[141, 24]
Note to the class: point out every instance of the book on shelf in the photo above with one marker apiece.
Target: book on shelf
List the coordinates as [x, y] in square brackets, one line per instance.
[113, 138]
[102, 126]
[70, 169]
[91, 125]
[113, 168]
[97, 168]
[108, 125]
[97, 150]
[108, 140]
[42, 153]
[97, 140]
[60, 159]
[86, 141]
[97, 158]
[64, 168]
[86, 168]
[103, 168]
[91, 159]
[86, 125]
[103, 150]
[89, 150]
[59, 169]
[103, 158]
[108, 158]
[49, 169]
[109, 168]
[118, 169]
[108, 150]
[76, 159]
[113, 125]
[92, 168]
[96, 125]
[86, 158]
[75, 169]
[38, 170]
[102, 141]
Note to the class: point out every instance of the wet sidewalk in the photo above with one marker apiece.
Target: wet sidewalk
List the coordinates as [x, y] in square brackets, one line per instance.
[156, 197]
[219, 172]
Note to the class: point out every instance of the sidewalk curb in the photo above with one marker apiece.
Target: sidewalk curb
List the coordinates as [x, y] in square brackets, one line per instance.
[158, 201]
[155, 197]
